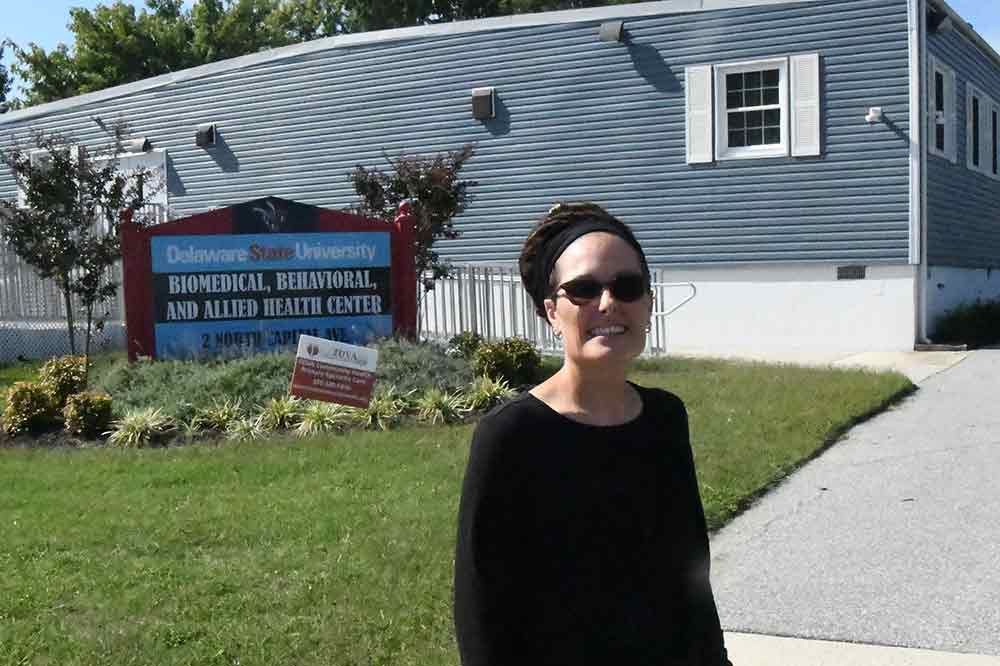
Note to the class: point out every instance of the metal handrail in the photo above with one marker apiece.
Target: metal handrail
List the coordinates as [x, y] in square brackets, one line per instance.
[694, 292]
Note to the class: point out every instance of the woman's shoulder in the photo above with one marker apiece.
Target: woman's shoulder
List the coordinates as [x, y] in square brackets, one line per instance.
[519, 413]
[659, 400]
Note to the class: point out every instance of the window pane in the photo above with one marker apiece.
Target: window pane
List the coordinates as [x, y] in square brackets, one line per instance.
[939, 138]
[938, 91]
[737, 139]
[772, 135]
[734, 100]
[752, 98]
[755, 137]
[772, 117]
[751, 80]
[770, 95]
[771, 77]
[975, 131]
[755, 119]
[734, 82]
[735, 121]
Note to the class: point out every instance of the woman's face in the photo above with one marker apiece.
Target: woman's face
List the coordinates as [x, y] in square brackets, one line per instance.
[602, 329]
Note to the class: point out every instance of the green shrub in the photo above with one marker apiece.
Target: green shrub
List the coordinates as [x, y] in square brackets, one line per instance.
[515, 360]
[30, 408]
[319, 417]
[414, 366]
[281, 413]
[64, 376]
[179, 388]
[139, 428]
[975, 324]
[464, 345]
[87, 413]
[438, 406]
[485, 392]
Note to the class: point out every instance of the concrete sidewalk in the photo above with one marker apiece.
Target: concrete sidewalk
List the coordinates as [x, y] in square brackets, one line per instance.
[757, 650]
[890, 538]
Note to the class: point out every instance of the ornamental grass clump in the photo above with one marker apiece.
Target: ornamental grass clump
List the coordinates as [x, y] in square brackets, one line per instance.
[218, 416]
[437, 406]
[87, 413]
[385, 410]
[323, 417]
[64, 376]
[282, 413]
[485, 393]
[30, 407]
[139, 428]
[247, 429]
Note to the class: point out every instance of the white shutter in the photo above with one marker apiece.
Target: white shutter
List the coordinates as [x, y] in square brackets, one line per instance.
[698, 126]
[951, 118]
[804, 85]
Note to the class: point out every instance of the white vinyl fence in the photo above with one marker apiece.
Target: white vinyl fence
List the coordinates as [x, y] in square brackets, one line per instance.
[33, 311]
[490, 300]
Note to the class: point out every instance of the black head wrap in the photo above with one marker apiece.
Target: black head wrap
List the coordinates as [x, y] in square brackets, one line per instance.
[537, 271]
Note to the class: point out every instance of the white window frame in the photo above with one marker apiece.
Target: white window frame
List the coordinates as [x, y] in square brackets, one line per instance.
[722, 149]
[946, 117]
[993, 151]
[986, 105]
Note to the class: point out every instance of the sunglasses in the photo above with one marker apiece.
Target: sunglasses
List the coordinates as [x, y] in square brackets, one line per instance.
[626, 287]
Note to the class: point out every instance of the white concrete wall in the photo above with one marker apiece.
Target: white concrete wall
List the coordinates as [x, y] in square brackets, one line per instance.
[760, 311]
[948, 287]
[794, 309]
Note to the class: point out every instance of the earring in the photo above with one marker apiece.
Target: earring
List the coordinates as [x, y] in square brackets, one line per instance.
[649, 327]
[557, 333]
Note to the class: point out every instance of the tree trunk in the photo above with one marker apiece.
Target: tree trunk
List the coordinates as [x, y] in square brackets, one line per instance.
[69, 317]
[86, 346]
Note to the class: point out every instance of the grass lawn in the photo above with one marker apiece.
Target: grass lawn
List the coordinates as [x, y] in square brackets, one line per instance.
[335, 550]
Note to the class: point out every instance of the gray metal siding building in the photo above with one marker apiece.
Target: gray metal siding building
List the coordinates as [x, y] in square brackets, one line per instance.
[578, 118]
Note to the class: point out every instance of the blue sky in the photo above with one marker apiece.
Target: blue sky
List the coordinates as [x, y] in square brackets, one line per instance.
[44, 21]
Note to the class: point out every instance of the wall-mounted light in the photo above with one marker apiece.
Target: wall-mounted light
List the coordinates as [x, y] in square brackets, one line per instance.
[205, 135]
[138, 145]
[939, 21]
[612, 31]
[874, 115]
[483, 107]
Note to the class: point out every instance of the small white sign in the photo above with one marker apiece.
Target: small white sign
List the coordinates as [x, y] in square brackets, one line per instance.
[334, 371]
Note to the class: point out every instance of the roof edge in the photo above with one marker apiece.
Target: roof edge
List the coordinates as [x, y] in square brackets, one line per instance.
[966, 29]
[636, 10]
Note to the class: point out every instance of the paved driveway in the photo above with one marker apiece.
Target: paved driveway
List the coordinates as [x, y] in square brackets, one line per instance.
[891, 537]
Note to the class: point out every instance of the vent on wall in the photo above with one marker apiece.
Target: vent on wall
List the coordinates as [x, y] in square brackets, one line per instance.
[482, 103]
[851, 272]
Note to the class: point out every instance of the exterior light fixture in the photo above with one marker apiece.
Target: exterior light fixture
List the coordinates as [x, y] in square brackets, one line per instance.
[874, 115]
[138, 145]
[612, 31]
[205, 136]
[483, 107]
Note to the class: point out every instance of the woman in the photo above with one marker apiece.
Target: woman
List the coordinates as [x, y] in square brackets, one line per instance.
[581, 535]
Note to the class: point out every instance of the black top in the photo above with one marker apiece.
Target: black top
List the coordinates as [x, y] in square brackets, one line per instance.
[581, 544]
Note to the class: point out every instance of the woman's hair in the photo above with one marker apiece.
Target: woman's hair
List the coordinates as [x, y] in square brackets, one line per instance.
[547, 233]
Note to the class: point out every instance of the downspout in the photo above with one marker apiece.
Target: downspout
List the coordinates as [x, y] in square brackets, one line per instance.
[924, 269]
[918, 160]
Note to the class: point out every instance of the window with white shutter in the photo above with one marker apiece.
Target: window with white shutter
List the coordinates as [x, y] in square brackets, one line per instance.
[754, 109]
[979, 109]
[941, 103]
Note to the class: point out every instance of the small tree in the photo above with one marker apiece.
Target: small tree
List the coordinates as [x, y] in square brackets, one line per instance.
[66, 226]
[435, 193]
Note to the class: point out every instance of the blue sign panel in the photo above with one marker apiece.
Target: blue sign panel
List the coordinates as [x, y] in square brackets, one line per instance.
[233, 294]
